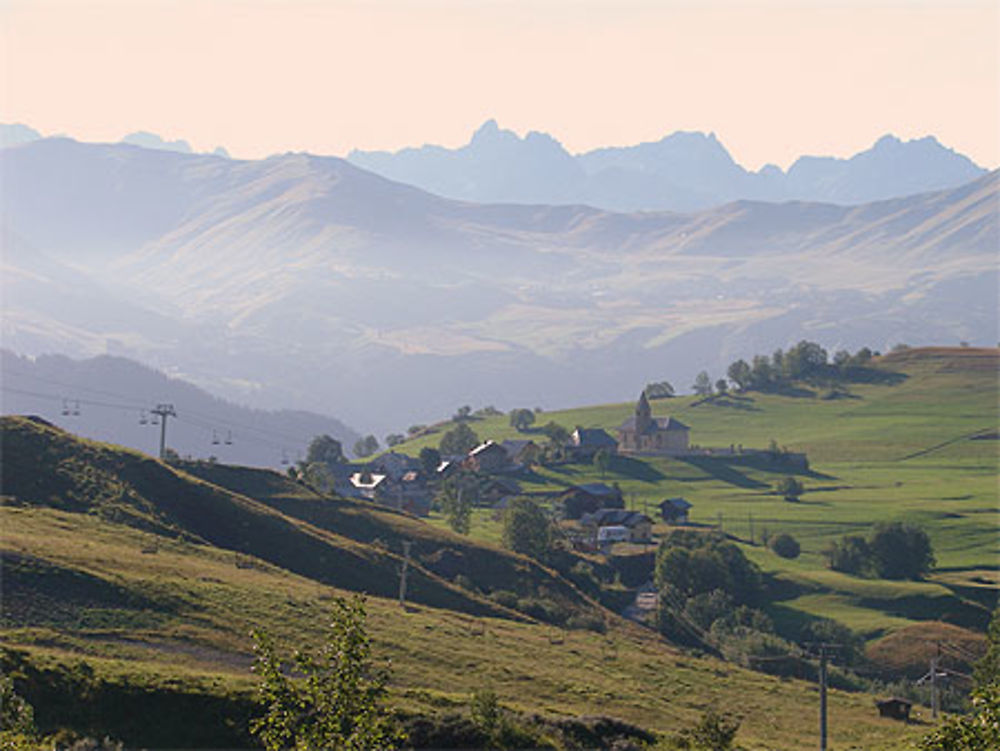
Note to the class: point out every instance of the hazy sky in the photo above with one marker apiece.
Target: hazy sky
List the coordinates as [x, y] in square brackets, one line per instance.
[772, 79]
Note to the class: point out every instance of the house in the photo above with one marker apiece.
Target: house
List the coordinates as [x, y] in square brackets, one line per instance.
[414, 495]
[393, 464]
[674, 510]
[370, 485]
[523, 452]
[585, 442]
[496, 491]
[645, 434]
[639, 525]
[589, 497]
[894, 708]
[488, 457]
[615, 533]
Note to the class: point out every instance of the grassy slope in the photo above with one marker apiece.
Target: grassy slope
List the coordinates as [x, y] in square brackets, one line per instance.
[181, 614]
[888, 452]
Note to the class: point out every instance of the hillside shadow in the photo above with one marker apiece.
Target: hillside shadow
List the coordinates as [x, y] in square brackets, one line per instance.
[722, 471]
[635, 469]
[730, 401]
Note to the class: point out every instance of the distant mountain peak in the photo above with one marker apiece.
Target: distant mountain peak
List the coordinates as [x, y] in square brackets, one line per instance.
[148, 140]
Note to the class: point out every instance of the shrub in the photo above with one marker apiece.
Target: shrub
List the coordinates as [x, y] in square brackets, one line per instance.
[901, 551]
[506, 598]
[785, 545]
[791, 488]
[851, 555]
[581, 622]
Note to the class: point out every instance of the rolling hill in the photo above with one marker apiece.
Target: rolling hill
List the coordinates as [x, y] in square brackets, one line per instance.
[396, 305]
[919, 447]
[130, 587]
[136, 582]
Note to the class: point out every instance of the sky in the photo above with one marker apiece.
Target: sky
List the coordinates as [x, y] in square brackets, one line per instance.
[773, 79]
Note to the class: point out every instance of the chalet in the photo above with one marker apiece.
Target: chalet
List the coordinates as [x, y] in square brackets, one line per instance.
[370, 485]
[393, 464]
[589, 497]
[894, 708]
[488, 457]
[496, 491]
[674, 510]
[521, 452]
[639, 525]
[645, 434]
[585, 442]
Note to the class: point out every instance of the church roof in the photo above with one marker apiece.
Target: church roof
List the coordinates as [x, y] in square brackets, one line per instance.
[657, 424]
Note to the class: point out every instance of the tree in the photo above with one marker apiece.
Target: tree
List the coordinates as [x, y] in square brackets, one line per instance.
[805, 360]
[762, 373]
[790, 487]
[521, 419]
[338, 700]
[702, 384]
[739, 373]
[901, 551]
[980, 729]
[556, 433]
[394, 439]
[977, 731]
[366, 446]
[414, 429]
[603, 460]
[459, 440]
[318, 475]
[17, 718]
[430, 460]
[714, 732]
[721, 386]
[987, 670]
[661, 390]
[851, 555]
[456, 504]
[526, 529]
[785, 546]
[463, 414]
[326, 450]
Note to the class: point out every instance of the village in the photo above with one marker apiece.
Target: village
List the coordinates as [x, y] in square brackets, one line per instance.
[593, 516]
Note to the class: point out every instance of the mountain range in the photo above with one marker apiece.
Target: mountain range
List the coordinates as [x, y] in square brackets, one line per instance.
[307, 282]
[683, 171]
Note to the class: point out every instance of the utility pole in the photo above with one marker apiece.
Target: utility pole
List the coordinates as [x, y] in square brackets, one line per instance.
[822, 697]
[403, 571]
[935, 699]
[164, 411]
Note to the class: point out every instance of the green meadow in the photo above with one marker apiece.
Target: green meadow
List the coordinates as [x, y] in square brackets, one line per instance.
[141, 582]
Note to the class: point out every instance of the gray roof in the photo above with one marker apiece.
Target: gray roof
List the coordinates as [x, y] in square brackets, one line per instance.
[597, 488]
[614, 517]
[595, 437]
[658, 423]
[678, 503]
[516, 446]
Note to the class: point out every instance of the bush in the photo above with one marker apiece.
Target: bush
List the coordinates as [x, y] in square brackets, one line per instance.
[791, 488]
[586, 623]
[901, 551]
[505, 598]
[785, 546]
[851, 556]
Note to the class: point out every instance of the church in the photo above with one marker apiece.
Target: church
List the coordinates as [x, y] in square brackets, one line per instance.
[645, 434]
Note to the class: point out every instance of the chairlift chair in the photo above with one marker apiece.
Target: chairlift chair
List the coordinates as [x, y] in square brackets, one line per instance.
[215, 438]
[142, 418]
[65, 408]
[76, 408]
[229, 438]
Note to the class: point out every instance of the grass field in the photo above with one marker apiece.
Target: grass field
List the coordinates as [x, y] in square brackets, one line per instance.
[885, 453]
[154, 577]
